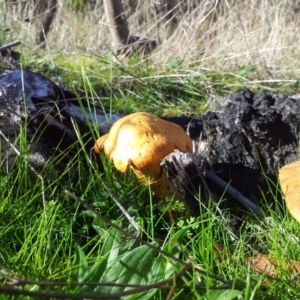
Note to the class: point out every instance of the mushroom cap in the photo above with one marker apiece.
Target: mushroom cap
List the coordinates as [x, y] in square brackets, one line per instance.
[289, 178]
[142, 140]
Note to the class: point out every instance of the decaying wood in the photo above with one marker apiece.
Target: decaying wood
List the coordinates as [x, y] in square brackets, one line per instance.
[8, 56]
[234, 193]
[244, 141]
[47, 112]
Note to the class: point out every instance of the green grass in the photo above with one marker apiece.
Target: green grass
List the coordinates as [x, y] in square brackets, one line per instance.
[61, 241]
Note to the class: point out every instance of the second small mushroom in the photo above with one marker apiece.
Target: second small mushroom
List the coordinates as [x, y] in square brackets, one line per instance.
[139, 141]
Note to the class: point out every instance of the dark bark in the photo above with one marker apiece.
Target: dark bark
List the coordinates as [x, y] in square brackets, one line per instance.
[9, 56]
[47, 112]
[124, 43]
[244, 141]
[118, 25]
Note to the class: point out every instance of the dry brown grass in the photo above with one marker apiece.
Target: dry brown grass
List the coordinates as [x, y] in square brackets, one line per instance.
[219, 35]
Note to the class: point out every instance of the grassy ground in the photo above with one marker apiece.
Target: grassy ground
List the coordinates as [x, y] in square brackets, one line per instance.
[46, 235]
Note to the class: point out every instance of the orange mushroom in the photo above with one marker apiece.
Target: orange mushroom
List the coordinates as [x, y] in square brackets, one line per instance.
[139, 141]
[289, 178]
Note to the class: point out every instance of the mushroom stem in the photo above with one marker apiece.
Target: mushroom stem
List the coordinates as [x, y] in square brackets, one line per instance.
[160, 185]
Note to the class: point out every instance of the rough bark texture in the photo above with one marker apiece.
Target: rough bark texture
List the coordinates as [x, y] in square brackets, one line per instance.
[244, 141]
[36, 104]
[256, 130]
[123, 42]
[9, 58]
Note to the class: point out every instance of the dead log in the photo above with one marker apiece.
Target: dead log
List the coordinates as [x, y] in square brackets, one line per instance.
[52, 116]
[244, 141]
[9, 46]
[48, 113]
[9, 55]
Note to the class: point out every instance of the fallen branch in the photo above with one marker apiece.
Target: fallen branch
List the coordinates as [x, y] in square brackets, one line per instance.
[10, 45]
[234, 193]
[12, 290]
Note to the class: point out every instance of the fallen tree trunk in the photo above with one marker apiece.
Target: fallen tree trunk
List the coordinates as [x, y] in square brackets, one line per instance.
[53, 117]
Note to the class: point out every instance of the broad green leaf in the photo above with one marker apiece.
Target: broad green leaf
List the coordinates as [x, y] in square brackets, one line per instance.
[111, 245]
[244, 281]
[180, 235]
[80, 264]
[96, 271]
[94, 274]
[169, 247]
[156, 274]
[100, 226]
[135, 267]
[177, 238]
[223, 294]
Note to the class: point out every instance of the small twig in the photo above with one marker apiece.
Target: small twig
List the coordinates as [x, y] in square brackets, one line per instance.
[14, 291]
[234, 193]
[171, 293]
[126, 233]
[10, 45]
[13, 277]
[124, 211]
[114, 198]
[213, 197]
